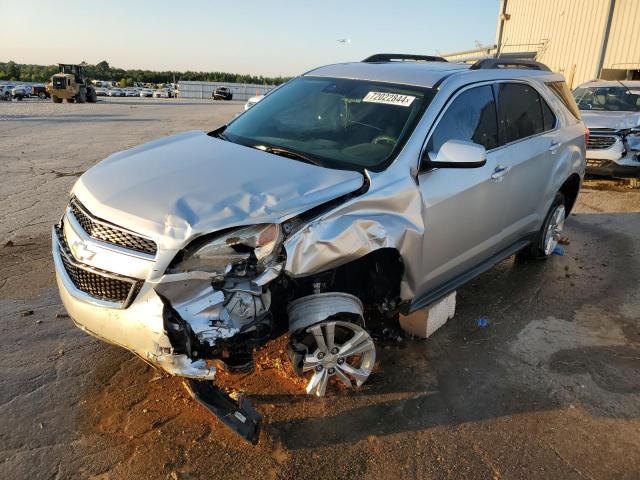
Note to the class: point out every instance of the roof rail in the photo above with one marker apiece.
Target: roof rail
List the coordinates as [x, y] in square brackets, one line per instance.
[488, 63]
[390, 57]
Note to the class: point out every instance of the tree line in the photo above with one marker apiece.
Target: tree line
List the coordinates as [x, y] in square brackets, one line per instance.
[103, 71]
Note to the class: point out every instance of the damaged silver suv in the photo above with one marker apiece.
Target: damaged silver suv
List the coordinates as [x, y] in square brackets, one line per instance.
[349, 195]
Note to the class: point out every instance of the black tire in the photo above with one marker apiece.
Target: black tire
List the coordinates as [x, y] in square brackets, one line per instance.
[92, 96]
[55, 99]
[42, 95]
[81, 96]
[536, 250]
[71, 100]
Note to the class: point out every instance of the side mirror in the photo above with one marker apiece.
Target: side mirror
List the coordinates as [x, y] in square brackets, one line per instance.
[457, 154]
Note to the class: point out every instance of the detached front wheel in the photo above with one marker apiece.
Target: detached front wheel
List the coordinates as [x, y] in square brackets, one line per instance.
[336, 349]
[550, 233]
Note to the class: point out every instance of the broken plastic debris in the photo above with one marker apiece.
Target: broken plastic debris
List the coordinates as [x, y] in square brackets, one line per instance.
[558, 250]
[482, 322]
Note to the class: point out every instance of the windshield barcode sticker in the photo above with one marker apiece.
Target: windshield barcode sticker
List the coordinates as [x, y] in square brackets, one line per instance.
[389, 98]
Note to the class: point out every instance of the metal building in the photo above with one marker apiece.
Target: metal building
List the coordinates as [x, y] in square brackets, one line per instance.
[241, 91]
[582, 39]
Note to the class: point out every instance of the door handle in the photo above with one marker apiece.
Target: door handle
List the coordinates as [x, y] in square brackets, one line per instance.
[554, 146]
[499, 172]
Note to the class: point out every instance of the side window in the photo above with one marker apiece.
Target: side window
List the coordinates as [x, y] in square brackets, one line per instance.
[471, 117]
[561, 90]
[547, 115]
[521, 109]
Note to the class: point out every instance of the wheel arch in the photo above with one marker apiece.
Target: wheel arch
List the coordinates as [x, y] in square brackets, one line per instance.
[570, 189]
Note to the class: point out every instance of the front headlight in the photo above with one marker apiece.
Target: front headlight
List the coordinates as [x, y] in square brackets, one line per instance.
[633, 139]
[257, 245]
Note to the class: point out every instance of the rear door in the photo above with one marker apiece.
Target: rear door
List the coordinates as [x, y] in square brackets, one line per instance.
[525, 162]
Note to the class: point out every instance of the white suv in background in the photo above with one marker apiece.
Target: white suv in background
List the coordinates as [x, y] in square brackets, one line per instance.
[349, 195]
[611, 111]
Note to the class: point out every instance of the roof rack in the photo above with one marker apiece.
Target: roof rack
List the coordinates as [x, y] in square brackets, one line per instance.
[390, 57]
[488, 63]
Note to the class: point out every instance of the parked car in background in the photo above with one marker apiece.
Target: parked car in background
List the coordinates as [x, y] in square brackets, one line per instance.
[352, 194]
[101, 91]
[146, 92]
[130, 92]
[611, 111]
[115, 92]
[21, 91]
[222, 93]
[162, 93]
[252, 101]
[5, 91]
[40, 91]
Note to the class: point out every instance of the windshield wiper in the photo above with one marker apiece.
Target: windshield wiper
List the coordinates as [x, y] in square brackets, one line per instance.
[284, 152]
[219, 134]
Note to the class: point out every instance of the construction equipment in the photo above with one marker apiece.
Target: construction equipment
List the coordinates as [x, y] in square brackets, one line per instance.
[71, 85]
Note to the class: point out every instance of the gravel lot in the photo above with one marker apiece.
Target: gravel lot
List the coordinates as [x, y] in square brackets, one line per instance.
[550, 389]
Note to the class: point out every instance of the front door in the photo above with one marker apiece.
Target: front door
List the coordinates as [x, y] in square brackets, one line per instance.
[462, 207]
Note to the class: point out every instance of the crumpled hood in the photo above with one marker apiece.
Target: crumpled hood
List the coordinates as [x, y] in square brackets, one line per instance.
[614, 120]
[178, 187]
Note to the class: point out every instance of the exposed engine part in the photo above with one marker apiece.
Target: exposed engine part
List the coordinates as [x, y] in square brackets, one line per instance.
[244, 303]
[240, 416]
[270, 273]
[216, 314]
[333, 349]
[306, 311]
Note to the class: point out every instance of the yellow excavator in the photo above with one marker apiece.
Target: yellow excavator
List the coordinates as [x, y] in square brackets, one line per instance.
[70, 85]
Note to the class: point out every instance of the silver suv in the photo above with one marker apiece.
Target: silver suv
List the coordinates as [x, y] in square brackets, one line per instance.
[352, 194]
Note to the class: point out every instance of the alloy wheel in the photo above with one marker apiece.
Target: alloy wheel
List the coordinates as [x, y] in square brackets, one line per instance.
[338, 349]
[554, 229]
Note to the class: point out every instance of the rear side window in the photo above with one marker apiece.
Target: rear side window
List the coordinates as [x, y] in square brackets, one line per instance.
[561, 90]
[471, 117]
[547, 115]
[521, 110]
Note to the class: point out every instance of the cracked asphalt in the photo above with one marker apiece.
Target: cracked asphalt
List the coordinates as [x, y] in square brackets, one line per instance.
[550, 389]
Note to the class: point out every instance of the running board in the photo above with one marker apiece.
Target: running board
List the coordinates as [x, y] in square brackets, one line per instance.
[452, 285]
[240, 416]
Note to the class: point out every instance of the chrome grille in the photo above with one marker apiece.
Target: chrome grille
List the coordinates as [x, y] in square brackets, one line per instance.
[101, 230]
[96, 283]
[597, 142]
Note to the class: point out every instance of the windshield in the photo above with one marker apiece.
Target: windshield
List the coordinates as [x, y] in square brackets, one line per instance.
[610, 98]
[337, 123]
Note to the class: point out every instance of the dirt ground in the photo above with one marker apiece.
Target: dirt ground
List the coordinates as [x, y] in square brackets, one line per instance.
[550, 389]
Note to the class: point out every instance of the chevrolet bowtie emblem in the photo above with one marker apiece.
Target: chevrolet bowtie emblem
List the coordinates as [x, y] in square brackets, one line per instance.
[81, 252]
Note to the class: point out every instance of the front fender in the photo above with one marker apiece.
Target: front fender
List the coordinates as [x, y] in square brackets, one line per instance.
[386, 216]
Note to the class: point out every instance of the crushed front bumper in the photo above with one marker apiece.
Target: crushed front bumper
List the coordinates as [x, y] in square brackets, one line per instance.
[609, 168]
[139, 327]
[614, 161]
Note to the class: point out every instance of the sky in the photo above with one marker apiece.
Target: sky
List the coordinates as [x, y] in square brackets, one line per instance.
[277, 37]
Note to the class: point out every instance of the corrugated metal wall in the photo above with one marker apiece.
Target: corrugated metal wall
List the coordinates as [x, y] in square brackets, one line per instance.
[566, 33]
[623, 50]
[241, 91]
